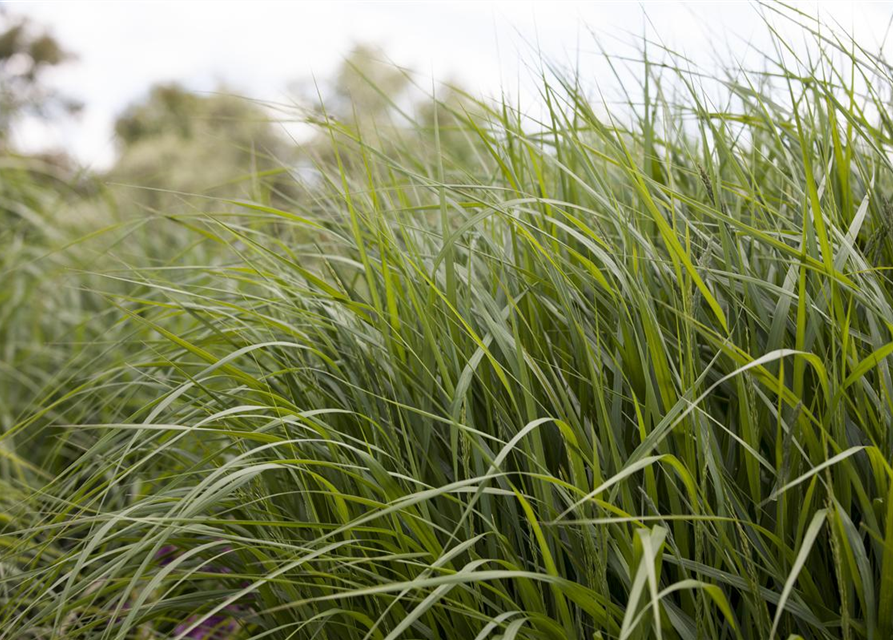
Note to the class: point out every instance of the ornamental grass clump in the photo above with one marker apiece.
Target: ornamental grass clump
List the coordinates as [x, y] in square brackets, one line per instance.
[608, 373]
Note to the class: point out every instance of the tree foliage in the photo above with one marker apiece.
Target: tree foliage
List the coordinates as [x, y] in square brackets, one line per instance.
[26, 54]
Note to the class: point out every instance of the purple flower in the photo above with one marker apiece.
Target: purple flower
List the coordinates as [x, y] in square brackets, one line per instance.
[216, 568]
[120, 618]
[216, 627]
[166, 554]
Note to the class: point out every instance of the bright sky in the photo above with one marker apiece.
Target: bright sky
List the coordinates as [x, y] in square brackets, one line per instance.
[260, 47]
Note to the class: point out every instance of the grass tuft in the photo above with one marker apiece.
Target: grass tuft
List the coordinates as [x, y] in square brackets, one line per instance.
[512, 377]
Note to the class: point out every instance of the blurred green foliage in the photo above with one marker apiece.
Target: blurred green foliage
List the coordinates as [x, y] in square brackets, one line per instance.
[26, 54]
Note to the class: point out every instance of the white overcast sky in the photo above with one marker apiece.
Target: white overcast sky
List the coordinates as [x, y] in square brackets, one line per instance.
[258, 47]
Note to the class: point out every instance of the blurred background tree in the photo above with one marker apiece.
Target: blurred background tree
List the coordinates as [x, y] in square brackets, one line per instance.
[367, 87]
[176, 141]
[26, 54]
[378, 101]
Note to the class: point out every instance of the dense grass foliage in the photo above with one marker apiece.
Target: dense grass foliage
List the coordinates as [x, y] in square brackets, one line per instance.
[609, 374]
